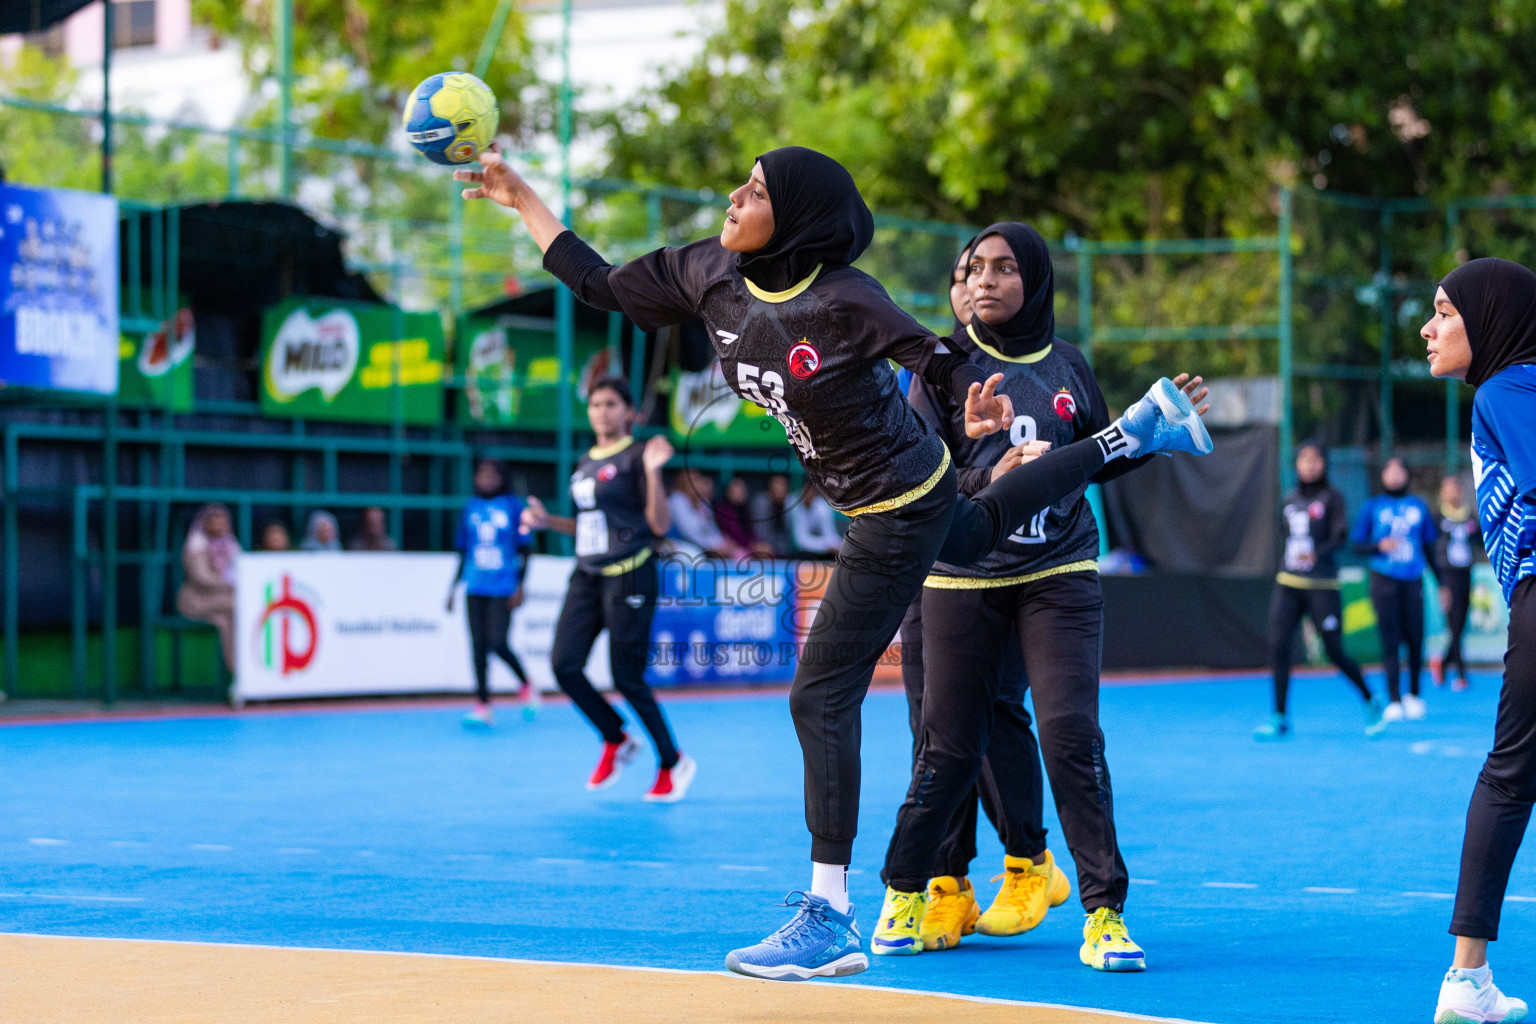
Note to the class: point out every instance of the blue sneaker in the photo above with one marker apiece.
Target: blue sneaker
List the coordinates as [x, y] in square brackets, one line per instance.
[1164, 421]
[1277, 728]
[817, 943]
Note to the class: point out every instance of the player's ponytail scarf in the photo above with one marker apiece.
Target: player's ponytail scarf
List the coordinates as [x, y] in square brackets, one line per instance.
[1497, 300]
[818, 218]
[1034, 325]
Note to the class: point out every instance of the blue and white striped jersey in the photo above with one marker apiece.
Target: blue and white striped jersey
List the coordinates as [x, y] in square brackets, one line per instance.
[1504, 466]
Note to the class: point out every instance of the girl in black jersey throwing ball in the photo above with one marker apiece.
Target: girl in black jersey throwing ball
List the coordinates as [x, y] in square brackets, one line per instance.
[802, 334]
[621, 509]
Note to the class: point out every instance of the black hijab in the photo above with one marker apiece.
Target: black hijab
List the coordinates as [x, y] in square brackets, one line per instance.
[818, 217]
[1497, 299]
[962, 262]
[1318, 486]
[1034, 325]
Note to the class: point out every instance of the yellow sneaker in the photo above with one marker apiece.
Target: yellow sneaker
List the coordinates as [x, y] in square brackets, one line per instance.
[899, 930]
[1106, 944]
[951, 914]
[1028, 891]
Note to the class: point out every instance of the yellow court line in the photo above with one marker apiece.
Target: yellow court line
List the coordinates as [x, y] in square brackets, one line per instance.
[72, 980]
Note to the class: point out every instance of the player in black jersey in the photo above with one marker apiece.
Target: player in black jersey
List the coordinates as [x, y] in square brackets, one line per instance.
[1039, 593]
[1455, 550]
[1009, 788]
[621, 510]
[1314, 528]
[802, 334]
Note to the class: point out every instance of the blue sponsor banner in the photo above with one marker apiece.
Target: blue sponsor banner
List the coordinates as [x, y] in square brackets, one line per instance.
[58, 290]
[717, 623]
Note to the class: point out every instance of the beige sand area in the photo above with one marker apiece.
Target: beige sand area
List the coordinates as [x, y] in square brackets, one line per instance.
[45, 980]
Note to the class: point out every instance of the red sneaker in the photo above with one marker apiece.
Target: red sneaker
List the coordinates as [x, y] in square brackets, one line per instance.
[672, 784]
[615, 757]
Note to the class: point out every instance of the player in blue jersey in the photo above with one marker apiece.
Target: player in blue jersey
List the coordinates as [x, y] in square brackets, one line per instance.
[493, 558]
[1483, 331]
[1399, 534]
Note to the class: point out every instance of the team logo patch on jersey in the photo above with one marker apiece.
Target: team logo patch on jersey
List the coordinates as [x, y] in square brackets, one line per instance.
[804, 360]
[608, 472]
[1317, 510]
[1066, 405]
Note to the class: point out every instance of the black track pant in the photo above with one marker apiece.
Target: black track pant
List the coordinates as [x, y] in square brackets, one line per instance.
[1399, 608]
[624, 605]
[1506, 787]
[1059, 623]
[1326, 610]
[489, 620]
[1459, 583]
[884, 558]
[1012, 811]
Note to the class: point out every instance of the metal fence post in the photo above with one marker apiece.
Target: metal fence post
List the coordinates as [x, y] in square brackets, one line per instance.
[1287, 342]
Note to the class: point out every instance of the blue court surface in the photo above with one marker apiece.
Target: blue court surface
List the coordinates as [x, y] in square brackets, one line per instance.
[1303, 881]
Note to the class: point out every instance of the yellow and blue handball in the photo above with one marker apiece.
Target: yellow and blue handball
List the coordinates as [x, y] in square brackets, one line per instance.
[451, 118]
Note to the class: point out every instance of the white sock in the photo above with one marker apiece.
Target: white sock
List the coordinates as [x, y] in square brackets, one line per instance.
[1477, 974]
[830, 882]
[1115, 441]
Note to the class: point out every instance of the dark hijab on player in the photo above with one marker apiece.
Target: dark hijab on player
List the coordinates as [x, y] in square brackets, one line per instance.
[962, 267]
[818, 218]
[1034, 325]
[1497, 299]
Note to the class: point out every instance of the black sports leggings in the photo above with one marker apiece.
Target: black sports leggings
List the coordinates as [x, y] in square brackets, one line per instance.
[1399, 608]
[884, 558]
[1459, 583]
[1058, 623]
[489, 620]
[624, 605]
[1326, 610]
[1506, 787]
[1012, 750]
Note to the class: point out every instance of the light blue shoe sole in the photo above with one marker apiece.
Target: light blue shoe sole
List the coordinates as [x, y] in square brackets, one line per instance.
[843, 967]
[1452, 1017]
[1179, 413]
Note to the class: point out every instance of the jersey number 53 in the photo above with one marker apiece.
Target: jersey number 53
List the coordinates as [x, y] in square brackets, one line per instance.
[766, 388]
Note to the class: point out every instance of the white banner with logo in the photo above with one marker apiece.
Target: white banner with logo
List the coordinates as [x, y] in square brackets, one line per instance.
[322, 624]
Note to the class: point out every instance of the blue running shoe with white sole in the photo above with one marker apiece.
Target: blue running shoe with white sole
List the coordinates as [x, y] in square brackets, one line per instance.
[1164, 421]
[818, 942]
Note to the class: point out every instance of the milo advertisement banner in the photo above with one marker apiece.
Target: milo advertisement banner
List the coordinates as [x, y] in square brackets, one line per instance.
[157, 368]
[706, 412]
[338, 360]
[511, 370]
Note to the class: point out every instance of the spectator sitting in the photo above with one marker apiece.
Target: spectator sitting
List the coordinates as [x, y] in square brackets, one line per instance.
[208, 556]
[813, 525]
[274, 537]
[374, 535]
[321, 533]
[736, 521]
[693, 521]
[770, 516]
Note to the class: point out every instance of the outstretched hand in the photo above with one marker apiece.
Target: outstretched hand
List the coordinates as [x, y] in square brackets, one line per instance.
[496, 180]
[1194, 388]
[986, 411]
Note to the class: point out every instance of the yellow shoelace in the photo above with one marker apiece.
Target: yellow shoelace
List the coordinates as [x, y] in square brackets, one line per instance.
[901, 905]
[1107, 924]
[1015, 880]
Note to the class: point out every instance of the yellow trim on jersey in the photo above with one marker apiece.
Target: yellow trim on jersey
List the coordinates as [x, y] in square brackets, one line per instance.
[941, 582]
[1033, 357]
[783, 296]
[1290, 579]
[630, 563]
[909, 497]
[612, 449]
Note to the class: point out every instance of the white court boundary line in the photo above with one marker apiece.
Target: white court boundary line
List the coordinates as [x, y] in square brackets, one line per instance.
[990, 1000]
